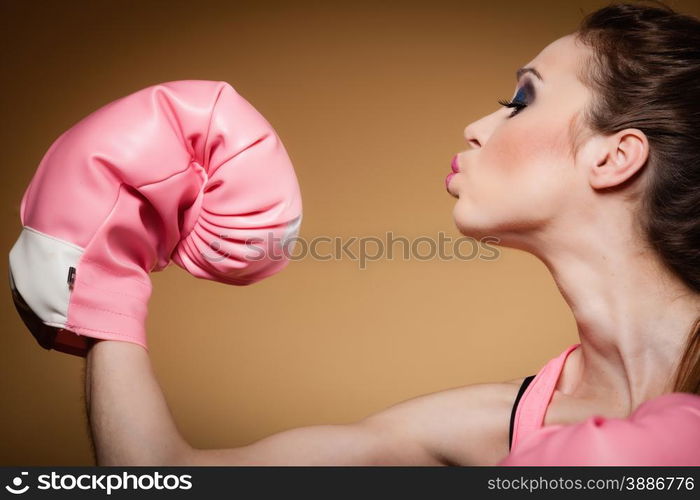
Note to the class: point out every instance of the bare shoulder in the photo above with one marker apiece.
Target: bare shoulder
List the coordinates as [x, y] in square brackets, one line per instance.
[466, 425]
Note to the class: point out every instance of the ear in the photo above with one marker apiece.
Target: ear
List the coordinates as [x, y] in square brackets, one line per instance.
[618, 157]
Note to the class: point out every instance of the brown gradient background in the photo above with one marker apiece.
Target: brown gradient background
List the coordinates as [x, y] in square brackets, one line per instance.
[371, 102]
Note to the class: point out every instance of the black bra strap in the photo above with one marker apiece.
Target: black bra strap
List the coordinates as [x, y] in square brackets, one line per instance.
[523, 386]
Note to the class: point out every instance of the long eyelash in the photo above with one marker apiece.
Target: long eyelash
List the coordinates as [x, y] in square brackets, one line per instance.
[518, 105]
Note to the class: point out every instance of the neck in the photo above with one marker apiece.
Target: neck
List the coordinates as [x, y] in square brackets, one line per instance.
[633, 315]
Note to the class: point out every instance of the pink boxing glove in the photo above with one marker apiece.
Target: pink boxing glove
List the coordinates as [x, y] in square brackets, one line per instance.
[664, 431]
[183, 171]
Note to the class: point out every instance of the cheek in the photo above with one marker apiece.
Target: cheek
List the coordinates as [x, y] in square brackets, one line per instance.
[516, 161]
[516, 180]
[517, 149]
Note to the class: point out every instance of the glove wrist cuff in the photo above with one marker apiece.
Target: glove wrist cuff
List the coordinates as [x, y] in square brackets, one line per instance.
[67, 299]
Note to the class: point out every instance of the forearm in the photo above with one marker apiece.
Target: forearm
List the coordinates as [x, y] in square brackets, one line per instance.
[129, 418]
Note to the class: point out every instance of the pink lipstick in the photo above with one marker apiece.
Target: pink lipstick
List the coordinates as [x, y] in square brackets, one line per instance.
[455, 170]
[455, 165]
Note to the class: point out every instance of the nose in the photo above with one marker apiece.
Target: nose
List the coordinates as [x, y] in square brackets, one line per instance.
[477, 133]
[470, 134]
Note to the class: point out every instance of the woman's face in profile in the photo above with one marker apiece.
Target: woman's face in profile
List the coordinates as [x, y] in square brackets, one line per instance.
[519, 174]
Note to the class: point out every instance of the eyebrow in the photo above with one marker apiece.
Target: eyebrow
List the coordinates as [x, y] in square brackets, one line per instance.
[521, 71]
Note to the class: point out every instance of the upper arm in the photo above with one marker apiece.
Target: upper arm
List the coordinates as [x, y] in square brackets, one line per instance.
[465, 425]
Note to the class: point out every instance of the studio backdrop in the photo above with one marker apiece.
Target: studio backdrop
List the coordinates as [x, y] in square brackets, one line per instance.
[383, 299]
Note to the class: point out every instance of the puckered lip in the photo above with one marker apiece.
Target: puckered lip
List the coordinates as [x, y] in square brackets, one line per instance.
[455, 164]
[447, 185]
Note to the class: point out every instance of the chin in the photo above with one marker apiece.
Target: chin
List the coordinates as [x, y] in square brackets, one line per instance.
[471, 225]
[477, 224]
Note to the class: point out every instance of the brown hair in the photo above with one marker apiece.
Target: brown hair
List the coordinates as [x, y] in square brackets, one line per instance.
[644, 73]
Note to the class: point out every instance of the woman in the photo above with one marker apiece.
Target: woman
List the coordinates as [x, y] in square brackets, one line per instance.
[594, 167]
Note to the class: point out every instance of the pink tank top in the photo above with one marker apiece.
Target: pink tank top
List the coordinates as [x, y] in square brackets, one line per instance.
[533, 404]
